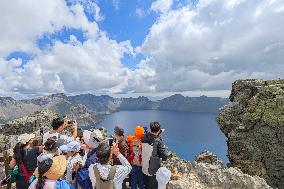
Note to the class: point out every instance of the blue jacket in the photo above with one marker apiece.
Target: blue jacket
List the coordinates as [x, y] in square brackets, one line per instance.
[82, 176]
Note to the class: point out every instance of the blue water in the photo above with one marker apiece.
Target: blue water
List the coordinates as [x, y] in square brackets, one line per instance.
[188, 134]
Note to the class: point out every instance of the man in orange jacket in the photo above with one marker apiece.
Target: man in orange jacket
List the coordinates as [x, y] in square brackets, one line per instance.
[135, 157]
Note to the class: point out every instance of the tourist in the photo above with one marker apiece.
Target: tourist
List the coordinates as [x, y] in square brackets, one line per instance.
[105, 176]
[153, 150]
[50, 150]
[91, 139]
[74, 158]
[135, 158]
[122, 144]
[50, 174]
[123, 148]
[58, 126]
[25, 157]
[163, 176]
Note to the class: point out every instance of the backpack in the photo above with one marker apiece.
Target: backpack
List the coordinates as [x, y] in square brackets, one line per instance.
[63, 184]
[135, 157]
[82, 176]
[155, 161]
[83, 179]
[105, 183]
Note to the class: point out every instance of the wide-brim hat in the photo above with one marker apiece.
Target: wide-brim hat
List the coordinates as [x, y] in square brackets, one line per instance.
[24, 138]
[93, 138]
[57, 169]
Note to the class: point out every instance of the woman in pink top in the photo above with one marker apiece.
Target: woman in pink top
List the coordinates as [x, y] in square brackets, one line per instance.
[49, 174]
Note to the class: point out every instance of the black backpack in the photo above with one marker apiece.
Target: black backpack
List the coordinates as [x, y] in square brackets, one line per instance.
[155, 161]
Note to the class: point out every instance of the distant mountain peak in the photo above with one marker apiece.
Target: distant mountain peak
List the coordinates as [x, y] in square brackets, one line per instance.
[58, 95]
[175, 96]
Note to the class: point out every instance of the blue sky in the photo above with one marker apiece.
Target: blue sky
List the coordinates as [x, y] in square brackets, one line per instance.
[138, 47]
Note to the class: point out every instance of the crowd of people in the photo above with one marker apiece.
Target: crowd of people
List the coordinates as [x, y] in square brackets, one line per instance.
[91, 160]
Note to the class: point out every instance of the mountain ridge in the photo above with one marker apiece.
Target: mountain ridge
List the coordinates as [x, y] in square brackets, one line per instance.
[88, 108]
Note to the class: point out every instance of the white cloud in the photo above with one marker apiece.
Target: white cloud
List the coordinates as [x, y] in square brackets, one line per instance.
[94, 65]
[73, 67]
[22, 22]
[219, 41]
[161, 5]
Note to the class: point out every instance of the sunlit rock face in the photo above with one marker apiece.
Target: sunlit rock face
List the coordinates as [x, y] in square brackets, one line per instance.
[253, 122]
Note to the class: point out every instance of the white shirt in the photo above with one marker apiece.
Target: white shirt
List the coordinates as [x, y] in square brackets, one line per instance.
[65, 138]
[121, 172]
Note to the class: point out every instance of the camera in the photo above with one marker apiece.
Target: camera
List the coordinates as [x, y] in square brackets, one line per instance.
[69, 122]
[111, 141]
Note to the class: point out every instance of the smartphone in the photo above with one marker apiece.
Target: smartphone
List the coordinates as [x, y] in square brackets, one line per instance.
[111, 141]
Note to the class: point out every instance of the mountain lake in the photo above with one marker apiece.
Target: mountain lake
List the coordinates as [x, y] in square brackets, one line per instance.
[187, 133]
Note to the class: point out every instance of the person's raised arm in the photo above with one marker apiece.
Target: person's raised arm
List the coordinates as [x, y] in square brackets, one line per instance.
[125, 165]
[74, 128]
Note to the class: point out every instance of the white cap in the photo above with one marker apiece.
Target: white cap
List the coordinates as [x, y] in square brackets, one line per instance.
[63, 148]
[92, 139]
[163, 176]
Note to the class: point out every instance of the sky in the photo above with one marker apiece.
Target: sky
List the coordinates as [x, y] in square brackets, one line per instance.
[138, 47]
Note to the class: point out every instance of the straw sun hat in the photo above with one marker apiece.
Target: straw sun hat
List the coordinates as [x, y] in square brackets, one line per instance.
[57, 168]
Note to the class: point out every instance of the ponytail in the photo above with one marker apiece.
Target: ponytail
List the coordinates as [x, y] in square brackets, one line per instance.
[19, 152]
[43, 167]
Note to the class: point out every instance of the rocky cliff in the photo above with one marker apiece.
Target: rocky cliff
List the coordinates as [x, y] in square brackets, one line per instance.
[253, 122]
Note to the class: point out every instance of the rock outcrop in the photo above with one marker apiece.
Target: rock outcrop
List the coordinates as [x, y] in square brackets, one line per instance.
[209, 172]
[253, 122]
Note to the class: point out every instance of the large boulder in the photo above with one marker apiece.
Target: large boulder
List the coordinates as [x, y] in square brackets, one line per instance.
[253, 122]
[208, 171]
